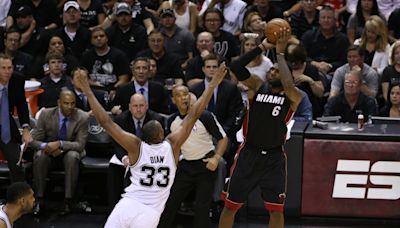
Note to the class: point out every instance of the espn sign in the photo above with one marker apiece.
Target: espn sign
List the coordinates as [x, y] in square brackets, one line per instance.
[349, 178]
[353, 177]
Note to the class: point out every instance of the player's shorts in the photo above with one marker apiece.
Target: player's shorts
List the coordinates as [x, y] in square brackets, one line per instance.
[254, 167]
[128, 213]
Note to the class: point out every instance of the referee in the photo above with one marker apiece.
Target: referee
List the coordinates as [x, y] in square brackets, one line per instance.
[200, 159]
[261, 160]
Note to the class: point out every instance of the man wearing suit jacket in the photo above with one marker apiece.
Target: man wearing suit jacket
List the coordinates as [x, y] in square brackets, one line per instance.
[12, 95]
[156, 95]
[81, 99]
[226, 102]
[131, 121]
[60, 138]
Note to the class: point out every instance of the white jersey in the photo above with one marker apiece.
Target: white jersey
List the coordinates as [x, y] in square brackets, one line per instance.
[152, 175]
[4, 217]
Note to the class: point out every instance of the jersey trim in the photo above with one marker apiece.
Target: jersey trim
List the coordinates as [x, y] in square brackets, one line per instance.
[139, 156]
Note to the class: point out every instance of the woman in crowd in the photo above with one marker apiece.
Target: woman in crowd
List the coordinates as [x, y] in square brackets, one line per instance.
[261, 64]
[306, 76]
[392, 107]
[374, 40]
[40, 68]
[355, 25]
[253, 24]
[391, 74]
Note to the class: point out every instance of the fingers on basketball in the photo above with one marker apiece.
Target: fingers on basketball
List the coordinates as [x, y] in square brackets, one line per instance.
[274, 28]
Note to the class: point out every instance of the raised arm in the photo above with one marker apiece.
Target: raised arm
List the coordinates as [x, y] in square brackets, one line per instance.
[177, 138]
[128, 141]
[285, 75]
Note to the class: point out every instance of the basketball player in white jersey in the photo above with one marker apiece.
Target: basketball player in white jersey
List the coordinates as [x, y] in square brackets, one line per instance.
[152, 161]
[20, 201]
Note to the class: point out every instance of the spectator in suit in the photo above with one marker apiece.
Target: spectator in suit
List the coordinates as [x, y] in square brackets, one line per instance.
[76, 37]
[54, 82]
[351, 102]
[325, 45]
[156, 95]
[81, 99]
[59, 139]
[131, 121]
[21, 60]
[12, 95]
[226, 102]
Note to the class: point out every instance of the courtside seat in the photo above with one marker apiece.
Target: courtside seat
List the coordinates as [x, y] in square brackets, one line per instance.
[99, 148]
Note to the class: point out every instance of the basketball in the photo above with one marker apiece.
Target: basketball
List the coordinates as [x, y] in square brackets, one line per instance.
[273, 26]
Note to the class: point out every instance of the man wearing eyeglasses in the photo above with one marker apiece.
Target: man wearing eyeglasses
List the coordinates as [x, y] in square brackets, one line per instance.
[351, 102]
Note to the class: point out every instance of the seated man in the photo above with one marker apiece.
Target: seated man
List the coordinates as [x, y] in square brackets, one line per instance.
[60, 138]
[131, 121]
[325, 45]
[54, 82]
[369, 77]
[351, 101]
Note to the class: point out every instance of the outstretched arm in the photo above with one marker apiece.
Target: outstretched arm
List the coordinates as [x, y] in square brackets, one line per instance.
[177, 138]
[286, 76]
[128, 141]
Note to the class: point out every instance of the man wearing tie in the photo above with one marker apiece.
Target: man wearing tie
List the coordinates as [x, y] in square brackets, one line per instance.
[156, 95]
[81, 99]
[226, 102]
[131, 121]
[59, 138]
[12, 95]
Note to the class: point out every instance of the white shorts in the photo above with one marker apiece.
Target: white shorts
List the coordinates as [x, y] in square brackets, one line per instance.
[128, 213]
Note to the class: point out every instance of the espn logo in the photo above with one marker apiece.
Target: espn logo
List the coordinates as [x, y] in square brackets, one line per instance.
[358, 172]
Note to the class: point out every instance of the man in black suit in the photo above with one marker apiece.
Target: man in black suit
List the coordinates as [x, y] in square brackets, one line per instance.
[156, 95]
[12, 95]
[81, 99]
[131, 121]
[226, 102]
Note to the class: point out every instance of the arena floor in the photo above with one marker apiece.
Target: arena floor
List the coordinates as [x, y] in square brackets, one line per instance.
[99, 215]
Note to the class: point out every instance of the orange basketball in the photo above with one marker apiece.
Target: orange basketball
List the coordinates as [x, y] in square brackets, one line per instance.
[273, 26]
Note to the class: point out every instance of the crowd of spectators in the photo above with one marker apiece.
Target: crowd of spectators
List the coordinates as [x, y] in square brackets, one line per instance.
[346, 60]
